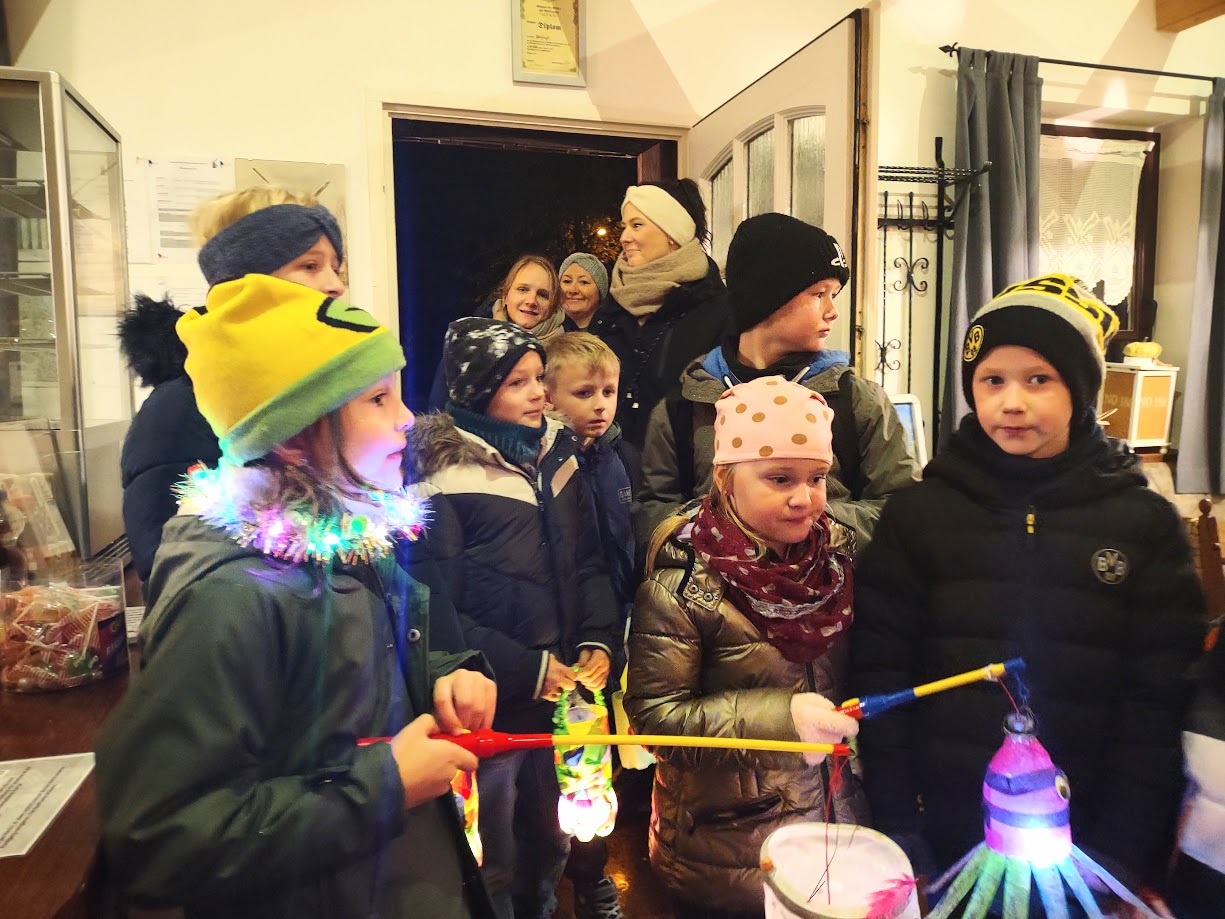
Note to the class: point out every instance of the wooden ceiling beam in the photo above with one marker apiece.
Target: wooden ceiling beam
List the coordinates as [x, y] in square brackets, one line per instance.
[1179, 15]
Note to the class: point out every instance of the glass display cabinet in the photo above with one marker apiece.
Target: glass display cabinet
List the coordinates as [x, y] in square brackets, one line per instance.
[65, 391]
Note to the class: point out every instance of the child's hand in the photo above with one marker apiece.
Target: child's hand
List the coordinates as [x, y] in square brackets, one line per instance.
[592, 668]
[558, 678]
[427, 766]
[817, 722]
[464, 700]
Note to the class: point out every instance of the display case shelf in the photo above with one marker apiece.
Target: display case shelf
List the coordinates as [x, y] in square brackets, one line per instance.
[66, 399]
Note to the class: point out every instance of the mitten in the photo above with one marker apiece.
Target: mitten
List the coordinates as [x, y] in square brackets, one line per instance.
[817, 722]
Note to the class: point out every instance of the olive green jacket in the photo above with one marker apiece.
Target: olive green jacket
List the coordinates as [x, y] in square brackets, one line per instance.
[885, 463]
[230, 781]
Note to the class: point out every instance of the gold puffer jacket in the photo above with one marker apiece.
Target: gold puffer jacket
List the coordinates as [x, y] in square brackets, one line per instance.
[699, 667]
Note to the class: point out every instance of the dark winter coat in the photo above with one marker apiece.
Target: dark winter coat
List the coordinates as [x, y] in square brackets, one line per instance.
[612, 469]
[522, 558]
[229, 777]
[690, 322]
[883, 463]
[166, 437]
[1074, 565]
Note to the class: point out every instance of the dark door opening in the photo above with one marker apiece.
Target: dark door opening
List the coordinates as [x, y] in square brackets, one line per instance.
[470, 199]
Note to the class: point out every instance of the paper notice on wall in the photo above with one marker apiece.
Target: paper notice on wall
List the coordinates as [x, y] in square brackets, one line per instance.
[179, 184]
[181, 282]
[139, 213]
[32, 793]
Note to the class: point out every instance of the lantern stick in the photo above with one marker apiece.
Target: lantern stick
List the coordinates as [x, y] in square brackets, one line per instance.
[874, 705]
[486, 743]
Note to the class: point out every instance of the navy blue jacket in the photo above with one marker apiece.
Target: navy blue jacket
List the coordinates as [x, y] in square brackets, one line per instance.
[613, 470]
[167, 436]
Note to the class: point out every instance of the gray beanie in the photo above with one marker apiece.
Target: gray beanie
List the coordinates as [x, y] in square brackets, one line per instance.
[590, 264]
[266, 240]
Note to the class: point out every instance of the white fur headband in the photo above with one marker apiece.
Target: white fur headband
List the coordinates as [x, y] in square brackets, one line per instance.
[663, 210]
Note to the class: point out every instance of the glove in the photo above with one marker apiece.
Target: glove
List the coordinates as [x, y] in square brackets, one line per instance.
[817, 722]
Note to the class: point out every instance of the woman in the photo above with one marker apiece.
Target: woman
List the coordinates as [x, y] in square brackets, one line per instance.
[584, 285]
[667, 300]
[741, 631]
[528, 296]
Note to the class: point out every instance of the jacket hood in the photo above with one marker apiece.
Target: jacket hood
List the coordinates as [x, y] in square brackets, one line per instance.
[435, 444]
[703, 380]
[149, 341]
[1094, 465]
[190, 549]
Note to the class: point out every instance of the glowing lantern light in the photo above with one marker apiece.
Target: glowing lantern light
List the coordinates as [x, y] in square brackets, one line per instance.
[587, 806]
[1028, 837]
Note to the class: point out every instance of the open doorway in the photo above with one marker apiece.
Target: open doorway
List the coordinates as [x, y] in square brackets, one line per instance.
[470, 199]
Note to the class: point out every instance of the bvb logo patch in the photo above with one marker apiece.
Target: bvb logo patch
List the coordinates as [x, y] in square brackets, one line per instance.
[340, 315]
[1110, 566]
[974, 343]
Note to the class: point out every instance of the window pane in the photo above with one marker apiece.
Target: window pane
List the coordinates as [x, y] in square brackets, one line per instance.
[761, 173]
[808, 169]
[721, 222]
[1087, 222]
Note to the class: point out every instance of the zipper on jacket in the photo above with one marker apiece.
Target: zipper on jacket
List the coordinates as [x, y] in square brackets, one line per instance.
[1031, 526]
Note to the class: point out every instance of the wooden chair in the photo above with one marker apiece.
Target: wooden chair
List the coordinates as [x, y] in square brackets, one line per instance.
[1206, 547]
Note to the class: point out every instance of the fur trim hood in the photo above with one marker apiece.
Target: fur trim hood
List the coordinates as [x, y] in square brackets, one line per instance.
[435, 444]
[149, 341]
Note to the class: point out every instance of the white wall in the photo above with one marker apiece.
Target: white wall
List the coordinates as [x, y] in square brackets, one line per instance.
[305, 79]
[917, 101]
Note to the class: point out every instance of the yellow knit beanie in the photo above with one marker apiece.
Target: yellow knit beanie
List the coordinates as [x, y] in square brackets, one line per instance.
[268, 358]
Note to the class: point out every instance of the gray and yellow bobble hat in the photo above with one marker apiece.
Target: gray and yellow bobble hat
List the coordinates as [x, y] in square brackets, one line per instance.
[1058, 317]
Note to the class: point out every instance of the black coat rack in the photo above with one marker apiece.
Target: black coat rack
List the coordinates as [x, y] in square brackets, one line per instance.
[939, 221]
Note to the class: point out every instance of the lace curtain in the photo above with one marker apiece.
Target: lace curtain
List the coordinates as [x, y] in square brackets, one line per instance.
[1087, 210]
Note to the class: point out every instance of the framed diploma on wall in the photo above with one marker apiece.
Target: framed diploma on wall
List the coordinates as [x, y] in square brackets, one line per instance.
[549, 41]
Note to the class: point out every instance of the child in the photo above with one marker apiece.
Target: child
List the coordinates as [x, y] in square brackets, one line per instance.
[741, 631]
[1032, 535]
[280, 633]
[529, 296]
[513, 529]
[261, 230]
[782, 278]
[581, 387]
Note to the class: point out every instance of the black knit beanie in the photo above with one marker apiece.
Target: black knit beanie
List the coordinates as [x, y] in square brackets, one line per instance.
[267, 239]
[772, 258]
[478, 354]
[1056, 316]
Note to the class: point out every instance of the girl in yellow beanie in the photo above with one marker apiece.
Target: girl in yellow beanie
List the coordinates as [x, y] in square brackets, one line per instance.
[280, 632]
[741, 630]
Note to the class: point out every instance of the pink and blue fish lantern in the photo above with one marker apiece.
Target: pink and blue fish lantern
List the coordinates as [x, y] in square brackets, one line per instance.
[1028, 841]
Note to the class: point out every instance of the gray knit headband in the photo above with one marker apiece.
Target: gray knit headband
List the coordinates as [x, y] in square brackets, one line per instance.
[266, 240]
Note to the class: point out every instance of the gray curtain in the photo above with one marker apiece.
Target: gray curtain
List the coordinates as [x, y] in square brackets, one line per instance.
[999, 118]
[1201, 456]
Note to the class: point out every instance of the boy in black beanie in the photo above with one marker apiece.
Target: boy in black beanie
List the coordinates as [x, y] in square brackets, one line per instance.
[782, 278]
[1031, 535]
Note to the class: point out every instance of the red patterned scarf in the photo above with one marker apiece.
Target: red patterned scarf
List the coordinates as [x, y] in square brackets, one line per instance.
[801, 604]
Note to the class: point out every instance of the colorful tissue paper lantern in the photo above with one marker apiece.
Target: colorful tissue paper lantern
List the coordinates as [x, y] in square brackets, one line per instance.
[1028, 841]
[587, 806]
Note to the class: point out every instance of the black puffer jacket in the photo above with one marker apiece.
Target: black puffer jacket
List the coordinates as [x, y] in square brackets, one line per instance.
[521, 557]
[1071, 563]
[653, 355]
